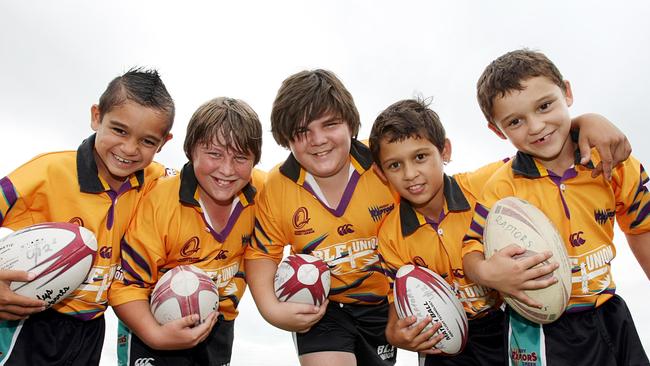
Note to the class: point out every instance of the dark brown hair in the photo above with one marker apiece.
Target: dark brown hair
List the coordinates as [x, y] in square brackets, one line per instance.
[507, 72]
[409, 118]
[142, 86]
[307, 96]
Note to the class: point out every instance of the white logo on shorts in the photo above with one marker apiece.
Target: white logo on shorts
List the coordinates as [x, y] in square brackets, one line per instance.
[386, 351]
[144, 362]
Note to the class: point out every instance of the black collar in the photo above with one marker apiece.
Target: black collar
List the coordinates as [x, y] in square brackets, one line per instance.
[360, 152]
[524, 164]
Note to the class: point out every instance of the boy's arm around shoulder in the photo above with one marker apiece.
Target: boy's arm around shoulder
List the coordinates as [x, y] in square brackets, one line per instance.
[631, 186]
[640, 246]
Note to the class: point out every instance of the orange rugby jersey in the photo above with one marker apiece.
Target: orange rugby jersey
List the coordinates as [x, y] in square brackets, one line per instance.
[408, 237]
[583, 210]
[290, 213]
[65, 187]
[170, 229]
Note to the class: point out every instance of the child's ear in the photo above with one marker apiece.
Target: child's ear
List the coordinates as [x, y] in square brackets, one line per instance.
[568, 94]
[446, 151]
[496, 130]
[167, 138]
[379, 173]
[95, 119]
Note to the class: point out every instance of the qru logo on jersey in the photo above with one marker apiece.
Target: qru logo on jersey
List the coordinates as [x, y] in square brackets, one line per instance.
[146, 361]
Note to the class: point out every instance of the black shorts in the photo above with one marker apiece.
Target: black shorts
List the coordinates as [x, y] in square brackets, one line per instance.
[51, 338]
[215, 350]
[603, 336]
[358, 329]
[485, 344]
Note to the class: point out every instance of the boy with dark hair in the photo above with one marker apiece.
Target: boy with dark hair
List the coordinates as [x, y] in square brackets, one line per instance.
[98, 187]
[525, 99]
[324, 200]
[410, 150]
[213, 216]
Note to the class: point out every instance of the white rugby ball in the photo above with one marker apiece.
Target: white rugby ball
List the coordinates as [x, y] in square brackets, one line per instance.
[60, 254]
[420, 292]
[515, 221]
[302, 278]
[183, 291]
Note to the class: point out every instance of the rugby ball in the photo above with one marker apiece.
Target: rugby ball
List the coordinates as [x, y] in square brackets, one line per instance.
[302, 278]
[183, 291]
[60, 255]
[515, 221]
[420, 292]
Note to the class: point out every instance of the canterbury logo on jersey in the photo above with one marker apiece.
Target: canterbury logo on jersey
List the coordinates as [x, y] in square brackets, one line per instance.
[148, 361]
[106, 252]
[377, 212]
[576, 239]
[345, 229]
[223, 254]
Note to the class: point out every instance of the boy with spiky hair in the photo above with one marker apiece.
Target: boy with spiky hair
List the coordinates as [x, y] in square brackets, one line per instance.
[526, 100]
[98, 186]
[208, 208]
[324, 200]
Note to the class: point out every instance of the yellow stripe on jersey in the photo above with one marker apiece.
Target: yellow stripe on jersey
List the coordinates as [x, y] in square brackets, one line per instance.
[169, 231]
[345, 237]
[583, 210]
[407, 237]
[64, 187]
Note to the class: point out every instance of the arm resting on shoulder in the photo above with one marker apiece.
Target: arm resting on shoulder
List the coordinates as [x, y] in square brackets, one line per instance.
[640, 245]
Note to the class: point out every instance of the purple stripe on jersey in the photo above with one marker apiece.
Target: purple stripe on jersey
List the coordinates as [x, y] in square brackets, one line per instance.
[141, 262]
[88, 315]
[111, 210]
[9, 193]
[568, 174]
[481, 210]
[221, 237]
[345, 199]
[641, 216]
[476, 227]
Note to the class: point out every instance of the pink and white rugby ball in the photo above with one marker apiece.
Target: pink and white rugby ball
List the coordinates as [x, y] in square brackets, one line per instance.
[515, 221]
[183, 291]
[420, 292]
[60, 254]
[302, 278]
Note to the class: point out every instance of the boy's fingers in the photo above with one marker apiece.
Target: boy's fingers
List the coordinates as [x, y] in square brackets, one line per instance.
[20, 310]
[11, 316]
[521, 296]
[533, 260]
[512, 250]
[11, 275]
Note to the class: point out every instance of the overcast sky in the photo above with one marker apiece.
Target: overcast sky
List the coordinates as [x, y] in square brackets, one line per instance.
[57, 57]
